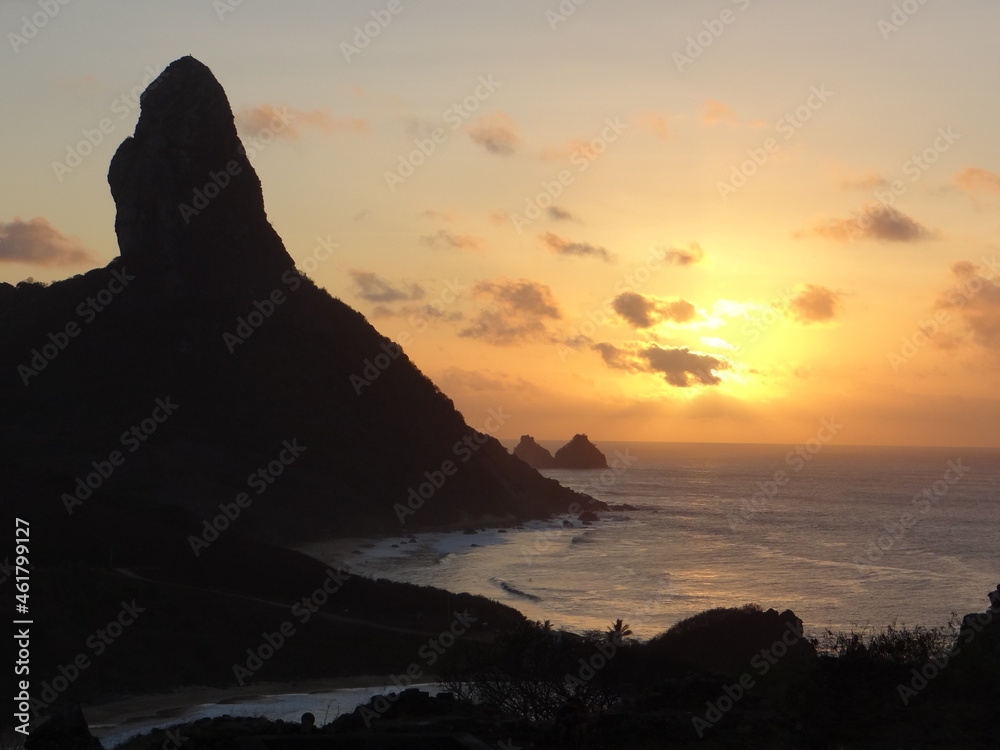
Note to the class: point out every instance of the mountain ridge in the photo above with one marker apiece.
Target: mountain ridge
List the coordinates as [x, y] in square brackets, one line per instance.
[214, 314]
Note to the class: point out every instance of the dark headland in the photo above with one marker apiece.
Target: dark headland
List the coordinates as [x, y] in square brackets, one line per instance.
[175, 421]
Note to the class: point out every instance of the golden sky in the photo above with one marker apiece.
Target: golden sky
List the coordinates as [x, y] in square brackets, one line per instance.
[720, 221]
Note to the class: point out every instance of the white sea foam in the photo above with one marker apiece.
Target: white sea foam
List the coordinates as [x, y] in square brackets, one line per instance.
[679, 554]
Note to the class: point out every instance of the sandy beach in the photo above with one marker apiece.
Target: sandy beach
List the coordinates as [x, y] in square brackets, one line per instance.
[143, 712]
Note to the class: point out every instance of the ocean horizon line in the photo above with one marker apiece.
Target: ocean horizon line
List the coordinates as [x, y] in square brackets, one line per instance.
[837, 446]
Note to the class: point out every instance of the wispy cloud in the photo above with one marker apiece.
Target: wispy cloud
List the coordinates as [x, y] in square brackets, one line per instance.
[85, 82]
[688, 256]
[568, 150]
[655, 123]
[37, 242]
[555, 213]
[715, 113]
[444, 239]
[496, 132]
[977, 180]
[867, 180]
[516, 311]
[680, 367]
[374, 288]
[814, 304]
[560, 246]
[882, 223]
[646, 311]
[288, 122]
[974, 299]
[435, 215]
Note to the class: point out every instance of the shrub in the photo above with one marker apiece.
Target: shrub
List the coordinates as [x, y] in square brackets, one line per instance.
[893, 644]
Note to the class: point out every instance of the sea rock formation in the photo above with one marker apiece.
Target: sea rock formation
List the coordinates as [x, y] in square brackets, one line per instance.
[580, 453]
[533, 454]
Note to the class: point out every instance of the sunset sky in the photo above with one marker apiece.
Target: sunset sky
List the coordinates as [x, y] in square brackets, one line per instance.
[718, 221]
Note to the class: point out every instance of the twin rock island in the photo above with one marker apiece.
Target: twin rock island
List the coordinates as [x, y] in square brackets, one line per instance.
[578, 453]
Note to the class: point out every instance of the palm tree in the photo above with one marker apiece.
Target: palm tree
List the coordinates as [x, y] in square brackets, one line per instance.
[618, 631]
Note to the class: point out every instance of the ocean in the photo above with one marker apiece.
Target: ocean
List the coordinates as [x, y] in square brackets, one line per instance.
[846, 536]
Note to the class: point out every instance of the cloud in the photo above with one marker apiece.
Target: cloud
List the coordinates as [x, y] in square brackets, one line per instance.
[78, 83]
[814, 304]
[446, 216]
[413, 313]
[692, 255]
[560, 246]
[716, 112]
[446, 240]
[868, 180]
[374, 288]
[977, 180]
[573, 148]
[517, 312]
[286, 122]
[654, 123]
[680, 367]
[36, 242]
[644, 312]
[877, 222]
[975, 299]
[496, 132]
[555, 213]
[488, 382]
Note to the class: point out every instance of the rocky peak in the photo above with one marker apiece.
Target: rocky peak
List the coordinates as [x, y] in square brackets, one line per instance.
[533, 454]
[580, 453]
[190, 211]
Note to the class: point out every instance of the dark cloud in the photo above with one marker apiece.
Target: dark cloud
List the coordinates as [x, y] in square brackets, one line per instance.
[560, 214]
[517, 312]
[814, 304]
[974, 301]
[36, 242]
[419, 314]
[614, 357]
[680, 367]
[693, 254]
[560, 246]
[877, 222]
[643, 312]
[374, 288]
[497, 133]
[635, 308]
[446, 240]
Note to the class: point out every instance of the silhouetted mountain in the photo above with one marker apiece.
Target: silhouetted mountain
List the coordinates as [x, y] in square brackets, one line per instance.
[201, 371]
[172, 418]
[580, 453]
[533, 454]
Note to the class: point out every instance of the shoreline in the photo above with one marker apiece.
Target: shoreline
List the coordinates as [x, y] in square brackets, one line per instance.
[115, 715]
[340, 549]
